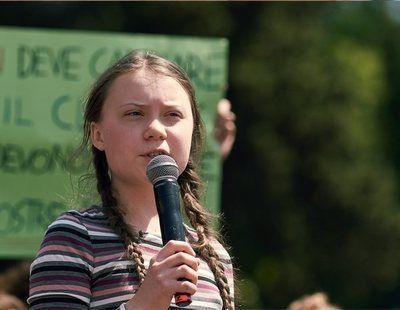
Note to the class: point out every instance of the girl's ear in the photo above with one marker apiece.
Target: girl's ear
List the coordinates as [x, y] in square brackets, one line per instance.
[96, 136]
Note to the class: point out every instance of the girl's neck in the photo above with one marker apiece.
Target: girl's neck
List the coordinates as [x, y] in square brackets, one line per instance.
[139, 208]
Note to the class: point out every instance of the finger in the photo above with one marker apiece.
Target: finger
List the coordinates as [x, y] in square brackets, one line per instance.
[230, 127]
[224, 107]
[186, 273]
[172, 279]
[174, 246]
[186, 287]
[182, 258]
[232, 117]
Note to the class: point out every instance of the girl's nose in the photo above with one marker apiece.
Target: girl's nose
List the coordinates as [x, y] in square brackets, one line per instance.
[155, 130]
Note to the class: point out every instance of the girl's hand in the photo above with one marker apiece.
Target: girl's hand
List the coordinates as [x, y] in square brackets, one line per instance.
[176, 260]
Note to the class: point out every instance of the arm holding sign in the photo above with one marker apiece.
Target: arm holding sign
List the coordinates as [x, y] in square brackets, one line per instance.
[225, 128]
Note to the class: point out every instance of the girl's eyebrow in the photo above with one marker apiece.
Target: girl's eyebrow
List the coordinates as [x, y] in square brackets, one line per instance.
[141, 105]
[135, 104]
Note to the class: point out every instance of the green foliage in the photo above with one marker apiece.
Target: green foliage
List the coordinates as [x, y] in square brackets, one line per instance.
[316, 98]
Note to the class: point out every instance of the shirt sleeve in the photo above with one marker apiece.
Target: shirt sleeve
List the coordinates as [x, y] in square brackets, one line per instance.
[61, 272]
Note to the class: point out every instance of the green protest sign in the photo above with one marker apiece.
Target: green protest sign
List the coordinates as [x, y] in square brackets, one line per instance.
[44, 77]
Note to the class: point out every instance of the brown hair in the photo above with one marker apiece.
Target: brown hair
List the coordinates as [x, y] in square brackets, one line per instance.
[189, 181]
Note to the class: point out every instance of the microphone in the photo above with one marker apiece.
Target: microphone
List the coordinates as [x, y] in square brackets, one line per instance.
[163, 173]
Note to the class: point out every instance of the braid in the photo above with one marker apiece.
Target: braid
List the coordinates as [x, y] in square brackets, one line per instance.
[131, 241]
[213, 260]
[199, 218]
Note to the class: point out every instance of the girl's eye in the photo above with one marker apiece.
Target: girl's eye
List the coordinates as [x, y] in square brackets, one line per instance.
[134, 113]
[174, 114]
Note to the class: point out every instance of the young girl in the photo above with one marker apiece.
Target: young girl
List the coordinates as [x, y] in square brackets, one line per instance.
[111, 256]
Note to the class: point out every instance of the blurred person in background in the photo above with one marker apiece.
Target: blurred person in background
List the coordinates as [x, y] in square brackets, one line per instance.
[316, 301]
[14, 279]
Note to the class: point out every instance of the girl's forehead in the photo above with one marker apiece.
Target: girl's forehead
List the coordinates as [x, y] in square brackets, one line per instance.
[143, 77]
[144, 86]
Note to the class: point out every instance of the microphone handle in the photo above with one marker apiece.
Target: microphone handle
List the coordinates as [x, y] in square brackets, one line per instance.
[169, 212]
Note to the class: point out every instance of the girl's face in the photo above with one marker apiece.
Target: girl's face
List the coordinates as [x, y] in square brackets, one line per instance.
[144, 115]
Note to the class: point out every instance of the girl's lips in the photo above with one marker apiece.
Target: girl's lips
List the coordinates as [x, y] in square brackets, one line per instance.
[153, 154]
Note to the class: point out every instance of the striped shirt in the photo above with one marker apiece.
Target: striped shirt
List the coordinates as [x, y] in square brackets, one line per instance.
[82, 264]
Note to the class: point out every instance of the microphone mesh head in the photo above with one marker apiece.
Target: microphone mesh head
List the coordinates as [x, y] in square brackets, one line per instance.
[162, 167]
